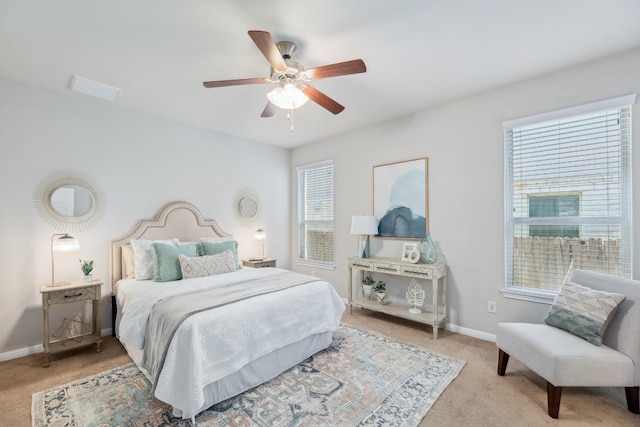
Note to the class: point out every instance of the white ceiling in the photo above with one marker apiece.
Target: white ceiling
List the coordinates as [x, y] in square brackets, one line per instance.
[419, 53]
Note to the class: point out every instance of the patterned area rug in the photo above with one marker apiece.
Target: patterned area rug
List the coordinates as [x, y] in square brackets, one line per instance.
[363, 378]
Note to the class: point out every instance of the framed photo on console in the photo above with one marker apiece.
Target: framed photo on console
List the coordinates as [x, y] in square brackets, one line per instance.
[410, 252]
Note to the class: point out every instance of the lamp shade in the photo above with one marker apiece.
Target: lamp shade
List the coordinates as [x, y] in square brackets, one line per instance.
[287, 97]
[65, 243]
[61, 243]
[364, 224]
[260, 234]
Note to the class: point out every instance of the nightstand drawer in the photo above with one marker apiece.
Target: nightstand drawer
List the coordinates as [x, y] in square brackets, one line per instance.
[259, 263]
[69, 295]
[264, 264]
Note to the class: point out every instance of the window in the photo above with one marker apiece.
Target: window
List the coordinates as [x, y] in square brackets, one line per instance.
[567, 196]
[315, 214]
[554, 206]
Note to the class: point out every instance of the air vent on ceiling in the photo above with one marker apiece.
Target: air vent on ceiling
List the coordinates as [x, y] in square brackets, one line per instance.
[93, 88]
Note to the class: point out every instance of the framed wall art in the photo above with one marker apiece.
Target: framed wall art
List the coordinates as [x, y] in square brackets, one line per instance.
[400, 198]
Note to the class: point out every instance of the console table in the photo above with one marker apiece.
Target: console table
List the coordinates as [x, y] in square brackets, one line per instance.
[434, 272]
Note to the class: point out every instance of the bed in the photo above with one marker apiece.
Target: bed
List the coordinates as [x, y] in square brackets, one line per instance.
[260, 322]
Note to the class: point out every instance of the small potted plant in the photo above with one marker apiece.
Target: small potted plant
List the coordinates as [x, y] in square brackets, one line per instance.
[367, 286]
[381, 290]
[87, 267]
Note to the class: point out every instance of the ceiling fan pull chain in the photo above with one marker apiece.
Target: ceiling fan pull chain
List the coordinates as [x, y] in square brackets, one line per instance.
[290, 118]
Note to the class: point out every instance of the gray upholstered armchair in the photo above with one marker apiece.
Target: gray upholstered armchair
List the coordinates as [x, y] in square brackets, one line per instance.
[564, 359]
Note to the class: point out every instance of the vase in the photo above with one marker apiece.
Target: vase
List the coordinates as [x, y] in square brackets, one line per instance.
[428, 252]
[86, 278]
[368, 289]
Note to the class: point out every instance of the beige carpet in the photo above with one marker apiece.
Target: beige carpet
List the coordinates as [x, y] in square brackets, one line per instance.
[478, 397]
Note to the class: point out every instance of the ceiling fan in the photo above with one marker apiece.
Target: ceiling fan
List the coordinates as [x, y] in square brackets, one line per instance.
[291, 79]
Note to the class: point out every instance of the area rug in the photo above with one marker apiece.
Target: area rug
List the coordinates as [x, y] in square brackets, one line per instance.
[362, 379]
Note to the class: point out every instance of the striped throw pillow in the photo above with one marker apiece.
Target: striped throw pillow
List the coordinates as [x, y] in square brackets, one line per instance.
[583, 311]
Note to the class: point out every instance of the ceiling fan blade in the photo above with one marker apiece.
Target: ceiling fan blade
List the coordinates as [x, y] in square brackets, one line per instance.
[234, 82]
[269, 110]
[354, 66]
[268, 47]
[322, 100]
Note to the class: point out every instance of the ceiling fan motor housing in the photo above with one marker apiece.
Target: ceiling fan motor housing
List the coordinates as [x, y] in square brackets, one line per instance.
[286, 49]
[294, 71]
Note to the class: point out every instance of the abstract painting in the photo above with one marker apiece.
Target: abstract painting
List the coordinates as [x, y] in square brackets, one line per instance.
[400, 198]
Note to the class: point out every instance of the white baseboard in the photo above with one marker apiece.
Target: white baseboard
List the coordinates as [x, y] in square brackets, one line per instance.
[34, 349]
[471, 332]
[21, 352]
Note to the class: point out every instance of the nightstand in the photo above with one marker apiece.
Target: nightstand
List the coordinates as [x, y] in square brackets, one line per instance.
[259, 263]
[75, 291]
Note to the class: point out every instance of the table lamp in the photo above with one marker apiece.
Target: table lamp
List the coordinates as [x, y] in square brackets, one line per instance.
[260, 234]
[364, 225]
[61, 243]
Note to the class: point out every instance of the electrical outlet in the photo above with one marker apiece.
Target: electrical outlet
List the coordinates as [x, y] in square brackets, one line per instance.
[491, 306]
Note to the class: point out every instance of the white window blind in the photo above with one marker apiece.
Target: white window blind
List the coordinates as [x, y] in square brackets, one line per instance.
[315, 214]
[568, 195]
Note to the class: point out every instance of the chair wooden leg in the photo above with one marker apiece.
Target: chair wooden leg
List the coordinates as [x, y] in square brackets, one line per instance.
[633, 399]
[503, 359]
[553, 399]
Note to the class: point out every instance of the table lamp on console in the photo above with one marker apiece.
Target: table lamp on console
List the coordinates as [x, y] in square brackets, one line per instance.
[364, 225]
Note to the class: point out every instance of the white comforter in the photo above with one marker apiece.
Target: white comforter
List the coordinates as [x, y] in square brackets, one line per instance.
[216, 343]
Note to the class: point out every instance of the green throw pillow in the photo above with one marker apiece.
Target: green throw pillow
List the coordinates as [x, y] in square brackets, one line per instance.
[583, 311]
[166, 266]
[213, 248]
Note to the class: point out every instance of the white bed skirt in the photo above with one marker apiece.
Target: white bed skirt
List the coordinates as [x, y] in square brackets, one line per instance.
[252, 374]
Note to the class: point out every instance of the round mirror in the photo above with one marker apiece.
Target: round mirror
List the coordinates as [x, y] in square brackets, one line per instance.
[69, 201]
[249, 207]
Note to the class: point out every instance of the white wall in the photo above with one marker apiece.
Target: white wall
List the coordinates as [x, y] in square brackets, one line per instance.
[142, 163]
[464, 143]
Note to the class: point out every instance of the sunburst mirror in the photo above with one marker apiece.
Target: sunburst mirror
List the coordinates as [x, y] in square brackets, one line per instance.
[69, 201]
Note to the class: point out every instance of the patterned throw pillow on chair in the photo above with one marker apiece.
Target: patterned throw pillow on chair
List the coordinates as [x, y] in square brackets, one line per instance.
[208, 265]
[583, 311]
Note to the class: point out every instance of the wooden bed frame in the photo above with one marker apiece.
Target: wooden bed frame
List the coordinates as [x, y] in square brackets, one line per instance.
[181, 220]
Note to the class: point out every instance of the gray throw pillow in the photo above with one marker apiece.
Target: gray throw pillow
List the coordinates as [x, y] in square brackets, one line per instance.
[583, 311]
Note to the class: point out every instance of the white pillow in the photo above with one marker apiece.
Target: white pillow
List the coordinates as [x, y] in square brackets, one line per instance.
[144, 256]
[217, 239]
[128, 262]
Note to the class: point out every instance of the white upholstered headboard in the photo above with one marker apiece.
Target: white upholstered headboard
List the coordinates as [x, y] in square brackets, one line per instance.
[181, 220]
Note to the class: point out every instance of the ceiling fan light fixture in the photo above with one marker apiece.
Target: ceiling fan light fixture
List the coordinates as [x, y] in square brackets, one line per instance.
[292, 80]
[287, 96]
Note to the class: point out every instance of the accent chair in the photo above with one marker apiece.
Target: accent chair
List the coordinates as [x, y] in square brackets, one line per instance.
[564, 359]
